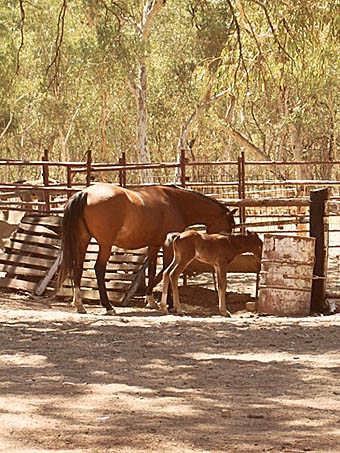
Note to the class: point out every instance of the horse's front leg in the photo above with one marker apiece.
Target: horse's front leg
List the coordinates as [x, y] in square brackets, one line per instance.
[152, 256]
[100, 268]
[222, 288]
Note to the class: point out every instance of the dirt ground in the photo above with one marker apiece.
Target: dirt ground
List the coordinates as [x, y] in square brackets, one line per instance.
[145, 382]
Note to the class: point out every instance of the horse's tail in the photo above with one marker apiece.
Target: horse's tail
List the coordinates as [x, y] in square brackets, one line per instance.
[70, 236]
[170, 238]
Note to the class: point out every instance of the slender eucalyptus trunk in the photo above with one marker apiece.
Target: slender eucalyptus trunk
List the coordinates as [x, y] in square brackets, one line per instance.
[142, 121]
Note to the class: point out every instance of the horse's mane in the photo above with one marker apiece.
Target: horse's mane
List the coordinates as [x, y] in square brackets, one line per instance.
[175, 186]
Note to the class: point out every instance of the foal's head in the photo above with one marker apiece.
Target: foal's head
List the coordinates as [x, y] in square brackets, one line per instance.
[255, 243]
[222, 224]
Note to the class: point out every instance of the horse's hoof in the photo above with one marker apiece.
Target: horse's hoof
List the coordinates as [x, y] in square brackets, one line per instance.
[81, 310]
[152, 306]
[226, 314]
[110, 312]
[151, 303]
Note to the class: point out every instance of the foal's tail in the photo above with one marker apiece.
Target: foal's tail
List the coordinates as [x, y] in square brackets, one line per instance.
[170, 238]
[70, 237]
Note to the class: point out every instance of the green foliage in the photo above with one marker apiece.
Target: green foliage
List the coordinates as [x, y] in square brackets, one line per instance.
[59, 80]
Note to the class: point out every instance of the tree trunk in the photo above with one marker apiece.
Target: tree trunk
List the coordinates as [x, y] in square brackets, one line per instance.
[301, 170]
[142, 122]
[103, 122]
[150, 9]
[63, 150]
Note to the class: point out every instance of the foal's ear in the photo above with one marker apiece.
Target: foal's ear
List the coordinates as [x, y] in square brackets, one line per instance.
[233, 211]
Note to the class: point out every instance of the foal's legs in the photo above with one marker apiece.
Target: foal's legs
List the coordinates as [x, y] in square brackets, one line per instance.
[222, 286]
[174, 276]
[167, 259]
[166, 281]
[179, 263]
[100, 267]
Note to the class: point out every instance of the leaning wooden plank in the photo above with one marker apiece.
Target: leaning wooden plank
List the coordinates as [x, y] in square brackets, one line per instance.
[45, 220]
[16, 283]
[12, 258]
[31, 239]
[22, 271]
[35, 249]
[52, 224]
[135, 284]
[37, 230]
[41, 286]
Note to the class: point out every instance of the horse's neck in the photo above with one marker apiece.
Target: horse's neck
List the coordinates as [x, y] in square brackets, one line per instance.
[197, 208]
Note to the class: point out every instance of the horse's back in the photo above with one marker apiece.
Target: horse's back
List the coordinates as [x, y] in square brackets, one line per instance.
[126, 218]
[102, 192]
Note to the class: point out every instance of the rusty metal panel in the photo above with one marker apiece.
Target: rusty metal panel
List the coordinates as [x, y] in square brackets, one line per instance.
[286, 274]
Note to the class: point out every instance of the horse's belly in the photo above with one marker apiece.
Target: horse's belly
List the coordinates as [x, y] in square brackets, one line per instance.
[129, 238]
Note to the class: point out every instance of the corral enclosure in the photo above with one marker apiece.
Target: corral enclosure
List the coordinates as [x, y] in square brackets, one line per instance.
[270, 197]
[142, 382]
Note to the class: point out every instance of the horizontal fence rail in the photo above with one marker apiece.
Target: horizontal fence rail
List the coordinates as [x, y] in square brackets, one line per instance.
[267, 197]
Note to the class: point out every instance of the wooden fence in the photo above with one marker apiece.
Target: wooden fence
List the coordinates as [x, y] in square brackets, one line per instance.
[240, 179]
[266, 201]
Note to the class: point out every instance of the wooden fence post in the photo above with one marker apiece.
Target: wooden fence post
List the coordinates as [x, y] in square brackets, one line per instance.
[241, 187]
[69, 180]
[122, 173]
[182, 163]
[46, 179]
[318, 229]
[88, 167]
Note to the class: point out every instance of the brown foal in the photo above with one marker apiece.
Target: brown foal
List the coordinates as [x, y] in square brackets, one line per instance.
[215, 249]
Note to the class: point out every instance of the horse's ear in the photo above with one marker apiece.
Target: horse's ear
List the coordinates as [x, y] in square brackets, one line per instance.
[233, 211]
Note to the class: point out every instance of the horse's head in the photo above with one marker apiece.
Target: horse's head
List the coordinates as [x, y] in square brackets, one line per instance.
[223, 223]
[256, 243]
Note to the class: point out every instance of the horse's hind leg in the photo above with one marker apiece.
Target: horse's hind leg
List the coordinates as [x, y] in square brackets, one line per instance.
[77, 299]
[100, 268]
[222, 286]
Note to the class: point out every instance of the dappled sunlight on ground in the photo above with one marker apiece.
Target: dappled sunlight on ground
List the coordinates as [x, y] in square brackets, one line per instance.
[142, 381]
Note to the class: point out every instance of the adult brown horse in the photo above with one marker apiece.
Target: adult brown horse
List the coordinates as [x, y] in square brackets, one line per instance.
[131, 219]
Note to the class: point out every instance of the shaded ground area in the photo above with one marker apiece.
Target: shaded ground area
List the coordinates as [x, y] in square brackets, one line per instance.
[144, 382]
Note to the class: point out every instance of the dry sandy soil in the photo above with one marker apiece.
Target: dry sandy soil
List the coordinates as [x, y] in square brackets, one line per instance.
[145, 382]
